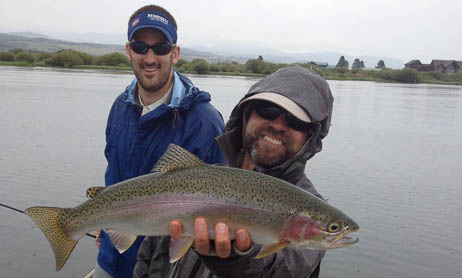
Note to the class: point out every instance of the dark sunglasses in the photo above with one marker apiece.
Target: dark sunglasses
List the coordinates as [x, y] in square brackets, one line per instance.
[270, 111]
[160, 48]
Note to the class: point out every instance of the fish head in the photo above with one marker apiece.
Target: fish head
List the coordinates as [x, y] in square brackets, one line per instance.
[320, 231]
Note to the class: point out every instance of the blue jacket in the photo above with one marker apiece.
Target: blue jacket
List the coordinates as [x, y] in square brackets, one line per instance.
[134, 143]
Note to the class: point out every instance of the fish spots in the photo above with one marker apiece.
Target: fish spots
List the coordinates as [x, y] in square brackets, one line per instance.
[242, 196]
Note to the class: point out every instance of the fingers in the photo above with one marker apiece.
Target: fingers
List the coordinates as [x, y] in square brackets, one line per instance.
[176, 229]
[243, 241]
[98, 239]
[222, 241]
[201, 236]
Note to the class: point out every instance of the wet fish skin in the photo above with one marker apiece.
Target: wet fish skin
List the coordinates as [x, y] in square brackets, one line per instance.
[277, 214]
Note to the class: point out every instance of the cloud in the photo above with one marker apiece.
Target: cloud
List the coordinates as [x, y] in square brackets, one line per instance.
[407, 30]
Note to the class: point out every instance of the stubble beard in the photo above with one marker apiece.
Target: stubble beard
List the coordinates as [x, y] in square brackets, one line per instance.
[162, 77]
[261, 155]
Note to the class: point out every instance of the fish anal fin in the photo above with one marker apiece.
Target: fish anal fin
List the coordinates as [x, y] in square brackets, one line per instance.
[176, 158]
[121, 241]
[93, 191]
[270, 249]
[178, 247]
[47, 219]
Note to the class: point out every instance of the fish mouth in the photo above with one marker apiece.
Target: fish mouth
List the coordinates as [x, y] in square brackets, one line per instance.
[341, 241]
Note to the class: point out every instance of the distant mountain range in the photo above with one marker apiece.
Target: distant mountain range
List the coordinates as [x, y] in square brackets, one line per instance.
[38, 42]
[229, 53]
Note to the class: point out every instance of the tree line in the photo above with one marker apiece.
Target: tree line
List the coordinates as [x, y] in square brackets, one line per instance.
[253, 67]
[357, 64]
[67, 58]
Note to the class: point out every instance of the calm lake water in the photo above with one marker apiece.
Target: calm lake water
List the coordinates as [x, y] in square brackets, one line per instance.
[392, 161]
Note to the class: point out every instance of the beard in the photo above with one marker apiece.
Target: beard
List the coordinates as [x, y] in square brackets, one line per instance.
[152, 85]
[264, 155]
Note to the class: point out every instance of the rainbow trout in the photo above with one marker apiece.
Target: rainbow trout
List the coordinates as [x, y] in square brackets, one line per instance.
[277, 214]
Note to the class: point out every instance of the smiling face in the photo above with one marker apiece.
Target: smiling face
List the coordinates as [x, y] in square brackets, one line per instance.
[271, 142]
[154, 73]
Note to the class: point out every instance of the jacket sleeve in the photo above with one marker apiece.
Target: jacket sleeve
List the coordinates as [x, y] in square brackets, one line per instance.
[288, 262]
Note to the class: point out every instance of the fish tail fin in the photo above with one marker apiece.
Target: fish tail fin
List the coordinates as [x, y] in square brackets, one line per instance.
[47, 219]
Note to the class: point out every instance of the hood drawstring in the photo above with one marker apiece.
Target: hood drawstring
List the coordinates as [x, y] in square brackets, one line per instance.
[176, 117]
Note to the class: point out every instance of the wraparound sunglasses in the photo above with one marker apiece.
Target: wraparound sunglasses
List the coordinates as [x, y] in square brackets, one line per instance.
[269, 111]
[160, 48]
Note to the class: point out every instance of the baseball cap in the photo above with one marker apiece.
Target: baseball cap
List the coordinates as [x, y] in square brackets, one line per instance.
[283, 102]
[153, 20]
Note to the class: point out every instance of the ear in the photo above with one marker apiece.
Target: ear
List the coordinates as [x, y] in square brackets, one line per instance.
[176, 54]
[128, 51]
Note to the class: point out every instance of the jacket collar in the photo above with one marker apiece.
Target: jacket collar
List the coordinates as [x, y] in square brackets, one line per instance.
[231, 145]
[182, 87]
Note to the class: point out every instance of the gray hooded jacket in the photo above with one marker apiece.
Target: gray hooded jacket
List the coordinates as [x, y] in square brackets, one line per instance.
[312, 93]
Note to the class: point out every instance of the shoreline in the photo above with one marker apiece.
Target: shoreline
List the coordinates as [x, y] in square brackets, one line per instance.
[128, 70]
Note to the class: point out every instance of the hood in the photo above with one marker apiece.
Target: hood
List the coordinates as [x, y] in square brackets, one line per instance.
[306, 88]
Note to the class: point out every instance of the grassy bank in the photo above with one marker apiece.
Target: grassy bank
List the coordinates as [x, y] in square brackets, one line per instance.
[117, 62]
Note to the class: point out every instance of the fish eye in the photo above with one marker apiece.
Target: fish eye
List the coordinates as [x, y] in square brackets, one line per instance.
[333, 227]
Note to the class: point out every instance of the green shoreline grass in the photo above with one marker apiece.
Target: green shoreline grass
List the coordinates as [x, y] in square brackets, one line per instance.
[123, 69]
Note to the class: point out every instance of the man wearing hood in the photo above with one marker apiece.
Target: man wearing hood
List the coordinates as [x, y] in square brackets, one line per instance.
[274, 129]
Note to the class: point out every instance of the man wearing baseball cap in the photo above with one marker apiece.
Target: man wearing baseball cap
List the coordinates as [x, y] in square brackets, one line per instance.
[274, 129]
[160, 106]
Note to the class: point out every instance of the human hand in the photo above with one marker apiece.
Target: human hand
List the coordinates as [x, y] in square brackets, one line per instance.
[98, 240]
[222, 239]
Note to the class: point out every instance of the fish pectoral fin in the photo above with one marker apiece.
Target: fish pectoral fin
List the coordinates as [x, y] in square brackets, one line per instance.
[93, 191]
[121, 241]
[270, 249]
[176, 158]
[178, 247]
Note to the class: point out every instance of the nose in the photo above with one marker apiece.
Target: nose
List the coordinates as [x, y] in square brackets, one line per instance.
[150, 56]
[280, 122]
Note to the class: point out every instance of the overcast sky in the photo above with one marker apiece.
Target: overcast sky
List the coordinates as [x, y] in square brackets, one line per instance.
[404, 29]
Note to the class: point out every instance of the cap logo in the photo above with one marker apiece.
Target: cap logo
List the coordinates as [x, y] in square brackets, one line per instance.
[135, 22]
[153, 20]
[158, 18]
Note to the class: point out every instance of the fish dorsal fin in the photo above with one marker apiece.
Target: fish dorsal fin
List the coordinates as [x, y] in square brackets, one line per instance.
[120, 240]
[179, 247]
[93, 191]
[176, 158]
[270, 249]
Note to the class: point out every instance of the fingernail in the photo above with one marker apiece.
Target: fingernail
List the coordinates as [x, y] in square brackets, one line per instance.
[174, 229]
[242, 236]
[200, 224]
[221, 227]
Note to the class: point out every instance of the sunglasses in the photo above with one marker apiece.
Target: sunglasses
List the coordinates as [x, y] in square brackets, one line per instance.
[160, 48]
[270, 111]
